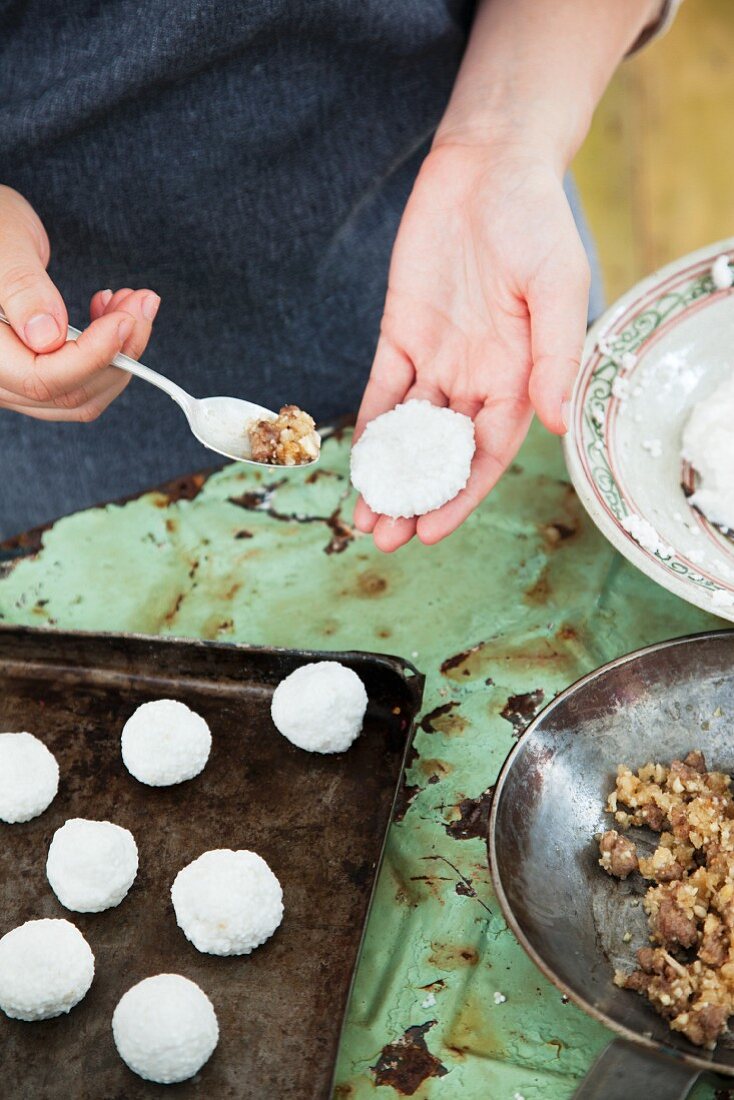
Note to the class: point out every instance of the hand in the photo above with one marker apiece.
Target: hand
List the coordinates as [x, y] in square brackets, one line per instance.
[485, 312]
[41, 374]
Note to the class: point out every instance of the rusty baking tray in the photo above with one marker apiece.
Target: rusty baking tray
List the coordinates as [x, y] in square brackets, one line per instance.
[320, 821]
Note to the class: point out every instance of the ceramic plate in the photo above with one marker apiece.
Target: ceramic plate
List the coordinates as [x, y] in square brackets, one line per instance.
[663, 346]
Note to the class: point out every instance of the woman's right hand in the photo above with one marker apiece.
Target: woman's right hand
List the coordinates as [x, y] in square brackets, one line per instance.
[41, 374]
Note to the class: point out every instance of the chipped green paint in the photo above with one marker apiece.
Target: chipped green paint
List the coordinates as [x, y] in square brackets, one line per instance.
[522, 600]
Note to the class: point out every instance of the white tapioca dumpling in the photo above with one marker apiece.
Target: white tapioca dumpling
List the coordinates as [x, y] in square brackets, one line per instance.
[413, 459]
[165, 1028]
[164, 742]
[29, 777]
[227, 902]
[46, 967]
[91, 865]
[320, 707]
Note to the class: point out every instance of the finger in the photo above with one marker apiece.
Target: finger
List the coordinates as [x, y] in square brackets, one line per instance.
[558, 303]
[390, 534]
[364, 518]
[98, 304]
[83, 412]
[470, 407]
[18, 365]
[119, 298]
[500, 428]
[109, 379]
[29, 298]
[142, 305]
[51, 376]
[390, 379]
[423, 390]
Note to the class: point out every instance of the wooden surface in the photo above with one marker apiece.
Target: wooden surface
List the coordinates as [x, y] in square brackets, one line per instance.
[657, 170]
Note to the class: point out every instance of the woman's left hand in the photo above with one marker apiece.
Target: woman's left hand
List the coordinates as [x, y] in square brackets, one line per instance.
[485, 312]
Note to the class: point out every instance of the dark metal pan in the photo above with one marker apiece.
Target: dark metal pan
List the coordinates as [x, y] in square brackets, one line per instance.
[569, 916]
[320, 821]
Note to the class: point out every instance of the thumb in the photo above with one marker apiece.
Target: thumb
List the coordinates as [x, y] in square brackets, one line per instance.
[32, 303]
[558, 304]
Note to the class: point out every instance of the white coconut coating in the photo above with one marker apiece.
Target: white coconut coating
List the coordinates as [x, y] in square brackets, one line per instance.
[708, 444]
[164, 742]
[165, 1028]
[29, 777]
[46, 967]
[413, 459]
[227, 903]
[320, 707]
[91, 865]
[721, 273]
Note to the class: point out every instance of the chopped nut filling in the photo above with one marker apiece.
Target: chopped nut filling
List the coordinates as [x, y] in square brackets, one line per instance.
[290, 439]
[618, 855]
[688, 973]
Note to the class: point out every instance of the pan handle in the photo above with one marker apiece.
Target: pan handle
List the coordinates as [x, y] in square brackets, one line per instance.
[625, 1071]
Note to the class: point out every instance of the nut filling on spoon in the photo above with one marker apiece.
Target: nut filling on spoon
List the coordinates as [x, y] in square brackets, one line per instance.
[290, 439]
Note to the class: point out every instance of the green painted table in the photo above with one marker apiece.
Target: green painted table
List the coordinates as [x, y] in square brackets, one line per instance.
[521, 601]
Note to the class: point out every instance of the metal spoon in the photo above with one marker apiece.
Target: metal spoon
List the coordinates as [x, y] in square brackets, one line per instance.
[219, 423]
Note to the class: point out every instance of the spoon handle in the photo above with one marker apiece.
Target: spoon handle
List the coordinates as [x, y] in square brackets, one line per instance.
[124, 362]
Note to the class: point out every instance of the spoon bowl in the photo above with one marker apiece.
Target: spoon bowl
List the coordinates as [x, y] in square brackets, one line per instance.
[219, 423]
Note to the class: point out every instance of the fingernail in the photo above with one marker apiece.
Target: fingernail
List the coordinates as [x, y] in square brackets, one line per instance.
[105, 297]
[41, 330]
[124, 329]
[150, 306]
[566, 414]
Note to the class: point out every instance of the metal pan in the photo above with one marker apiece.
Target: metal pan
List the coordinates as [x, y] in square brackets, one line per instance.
[320, 822]
[655, 704]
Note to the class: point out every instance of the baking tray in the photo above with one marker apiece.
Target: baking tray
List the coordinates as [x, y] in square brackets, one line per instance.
[319, 821]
